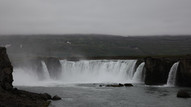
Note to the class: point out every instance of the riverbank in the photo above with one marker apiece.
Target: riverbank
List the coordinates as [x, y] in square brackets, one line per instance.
[20, 98]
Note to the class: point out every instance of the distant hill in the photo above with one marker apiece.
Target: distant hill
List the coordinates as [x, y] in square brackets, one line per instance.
[95, 45]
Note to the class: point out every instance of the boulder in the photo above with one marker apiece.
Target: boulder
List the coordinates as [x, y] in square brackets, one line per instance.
[183, 94]
[56, 98]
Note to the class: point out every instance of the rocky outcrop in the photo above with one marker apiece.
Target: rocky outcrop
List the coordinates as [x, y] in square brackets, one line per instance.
[6, 70]
[157, 70]
[184, 73]
[54, 67]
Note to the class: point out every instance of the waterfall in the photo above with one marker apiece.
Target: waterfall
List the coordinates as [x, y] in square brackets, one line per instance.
[95, 71]
[139, 76]
[83, 71]
[45, 70]
[172, 75]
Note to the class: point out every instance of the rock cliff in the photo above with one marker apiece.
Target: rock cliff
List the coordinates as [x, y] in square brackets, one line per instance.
[157, 70]
[184, 73]
[6, 70]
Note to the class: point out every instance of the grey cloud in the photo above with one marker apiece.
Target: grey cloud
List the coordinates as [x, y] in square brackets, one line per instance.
[124, 17]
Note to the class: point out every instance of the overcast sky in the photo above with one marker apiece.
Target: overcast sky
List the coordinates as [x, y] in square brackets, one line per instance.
[123, 17]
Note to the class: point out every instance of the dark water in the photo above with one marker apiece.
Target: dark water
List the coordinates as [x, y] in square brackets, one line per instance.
[89, 95]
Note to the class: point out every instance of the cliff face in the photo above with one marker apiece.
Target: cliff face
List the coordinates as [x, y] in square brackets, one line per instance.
[184, 73]
[6, 70]
[157, 70]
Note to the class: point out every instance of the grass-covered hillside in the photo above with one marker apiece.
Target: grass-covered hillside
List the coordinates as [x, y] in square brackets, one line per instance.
[95, 45]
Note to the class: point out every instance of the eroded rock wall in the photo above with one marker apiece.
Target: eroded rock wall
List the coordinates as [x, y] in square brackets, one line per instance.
[184, 73]
[157, 70]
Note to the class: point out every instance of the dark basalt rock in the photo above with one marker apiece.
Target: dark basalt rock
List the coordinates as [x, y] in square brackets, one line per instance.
[184, 73]
[157, 70]
[46, 96]
[6, 70]
[117, 85]
[128, 85]
[56, 98]
[183, 94]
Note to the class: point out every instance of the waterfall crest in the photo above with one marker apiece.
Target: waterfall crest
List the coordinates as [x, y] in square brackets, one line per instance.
[172, 75]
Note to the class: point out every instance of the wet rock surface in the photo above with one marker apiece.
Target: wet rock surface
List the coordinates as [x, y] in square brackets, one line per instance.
[116, 85]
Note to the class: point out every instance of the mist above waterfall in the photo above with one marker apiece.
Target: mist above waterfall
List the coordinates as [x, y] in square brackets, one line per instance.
[83, 71]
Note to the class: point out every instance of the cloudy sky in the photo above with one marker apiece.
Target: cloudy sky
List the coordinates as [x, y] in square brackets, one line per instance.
[123, 17]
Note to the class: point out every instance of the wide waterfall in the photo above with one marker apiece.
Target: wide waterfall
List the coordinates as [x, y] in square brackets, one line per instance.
[96, 71]
[139, 75]
[172, 75]
[83, 71]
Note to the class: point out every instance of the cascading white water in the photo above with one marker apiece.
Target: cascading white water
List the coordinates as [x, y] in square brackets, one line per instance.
[138, 76]
[172, 75]
[96, 71]
[45, 70]
[83, 71]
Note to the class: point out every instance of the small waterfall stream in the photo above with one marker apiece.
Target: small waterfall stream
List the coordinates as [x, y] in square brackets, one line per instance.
[172, 75]
[45, 70]
[139, 76]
